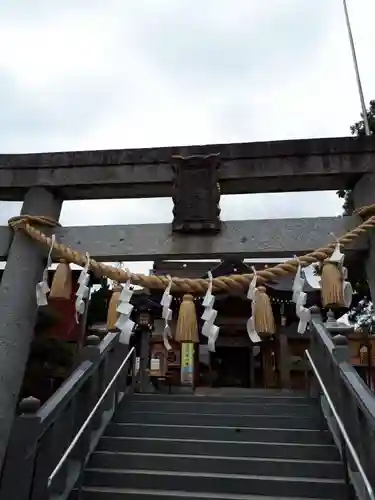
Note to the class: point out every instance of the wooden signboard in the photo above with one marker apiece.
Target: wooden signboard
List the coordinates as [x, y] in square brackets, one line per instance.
[187, 363]
[157, 363]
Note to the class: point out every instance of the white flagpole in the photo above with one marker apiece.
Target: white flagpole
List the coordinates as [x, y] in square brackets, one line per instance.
[356, 69]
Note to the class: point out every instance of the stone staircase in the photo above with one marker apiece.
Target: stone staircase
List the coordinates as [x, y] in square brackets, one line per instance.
[259, 446]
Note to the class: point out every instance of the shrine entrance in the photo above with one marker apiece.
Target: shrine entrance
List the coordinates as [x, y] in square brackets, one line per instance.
[237, 366]
[240, 365]
[230, 367]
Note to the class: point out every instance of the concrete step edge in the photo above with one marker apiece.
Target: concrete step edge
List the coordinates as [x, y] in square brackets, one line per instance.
[237, 427]
[185, 494]
[131, 413]
[207, 441]
[221, 403]
[230, 394]
[212, 475]
[215, 457]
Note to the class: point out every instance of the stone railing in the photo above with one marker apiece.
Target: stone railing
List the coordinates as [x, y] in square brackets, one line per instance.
[352, 399]
[42, 434]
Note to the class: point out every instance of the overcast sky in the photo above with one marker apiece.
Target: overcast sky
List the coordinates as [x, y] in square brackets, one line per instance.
[98, 74]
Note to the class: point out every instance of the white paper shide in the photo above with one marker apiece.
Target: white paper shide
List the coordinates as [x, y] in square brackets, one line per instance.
[124, 308]
[166, 302]
[299, 298]
[42, 287]
[209, 329]
[82, 293]
[251, 295]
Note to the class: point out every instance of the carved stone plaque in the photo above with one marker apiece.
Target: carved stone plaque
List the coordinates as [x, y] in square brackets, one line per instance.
[196, 194]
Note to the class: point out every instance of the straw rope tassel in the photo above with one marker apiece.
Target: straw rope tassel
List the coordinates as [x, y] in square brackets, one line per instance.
[112, 314]
[187, 324]
[332, 290]
[264, 321]
[61, 287]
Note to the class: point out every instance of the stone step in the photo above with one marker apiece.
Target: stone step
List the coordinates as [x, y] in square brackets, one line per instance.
[211, 407]
[259, 448]
[150, 494]
[235, 484]
[221, 419]
[217, 464]
[249, 396]
[302, 436]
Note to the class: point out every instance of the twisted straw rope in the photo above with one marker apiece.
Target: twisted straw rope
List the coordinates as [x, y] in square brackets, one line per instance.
[232, 283]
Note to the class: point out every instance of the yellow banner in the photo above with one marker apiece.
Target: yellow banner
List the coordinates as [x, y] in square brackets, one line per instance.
[187, 363]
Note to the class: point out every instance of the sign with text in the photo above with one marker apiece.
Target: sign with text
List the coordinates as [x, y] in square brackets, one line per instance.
[187, 363]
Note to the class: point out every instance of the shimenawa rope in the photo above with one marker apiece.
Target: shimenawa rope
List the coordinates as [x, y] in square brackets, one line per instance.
[197, 286]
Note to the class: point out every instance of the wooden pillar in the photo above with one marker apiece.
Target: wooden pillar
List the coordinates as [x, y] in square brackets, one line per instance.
[284, 356]
[264, 352]
[252, 366]
[210, 371]
[144, 378]
[18, 308]
[267, 361]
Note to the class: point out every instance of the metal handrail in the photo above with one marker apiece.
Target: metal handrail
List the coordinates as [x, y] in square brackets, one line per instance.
[89, 418]
[341, 426]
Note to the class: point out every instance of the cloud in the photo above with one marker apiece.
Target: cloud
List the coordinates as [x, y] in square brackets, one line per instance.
[132, 74]
[216, 46]
[87, 74]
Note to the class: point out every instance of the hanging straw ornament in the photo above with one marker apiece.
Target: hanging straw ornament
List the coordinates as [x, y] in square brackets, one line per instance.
[209, 329]
[264, 321]
[83, 290]
[42, 287]
[112, 314]
[251, 295]
[332, 288]
[61, 287]
[166, 302]
[187, 324]
[123, 311]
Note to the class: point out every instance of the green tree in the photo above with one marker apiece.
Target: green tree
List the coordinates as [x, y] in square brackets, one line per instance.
[358, 129]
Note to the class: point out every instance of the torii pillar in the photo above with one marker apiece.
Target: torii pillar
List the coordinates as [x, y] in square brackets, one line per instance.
[18, 307]
[363, 195]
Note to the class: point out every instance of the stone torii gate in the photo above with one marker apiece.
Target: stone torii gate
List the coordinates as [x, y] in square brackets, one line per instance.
[195, 177]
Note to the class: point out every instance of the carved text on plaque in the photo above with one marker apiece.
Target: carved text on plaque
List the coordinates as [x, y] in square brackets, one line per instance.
[196, 194]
